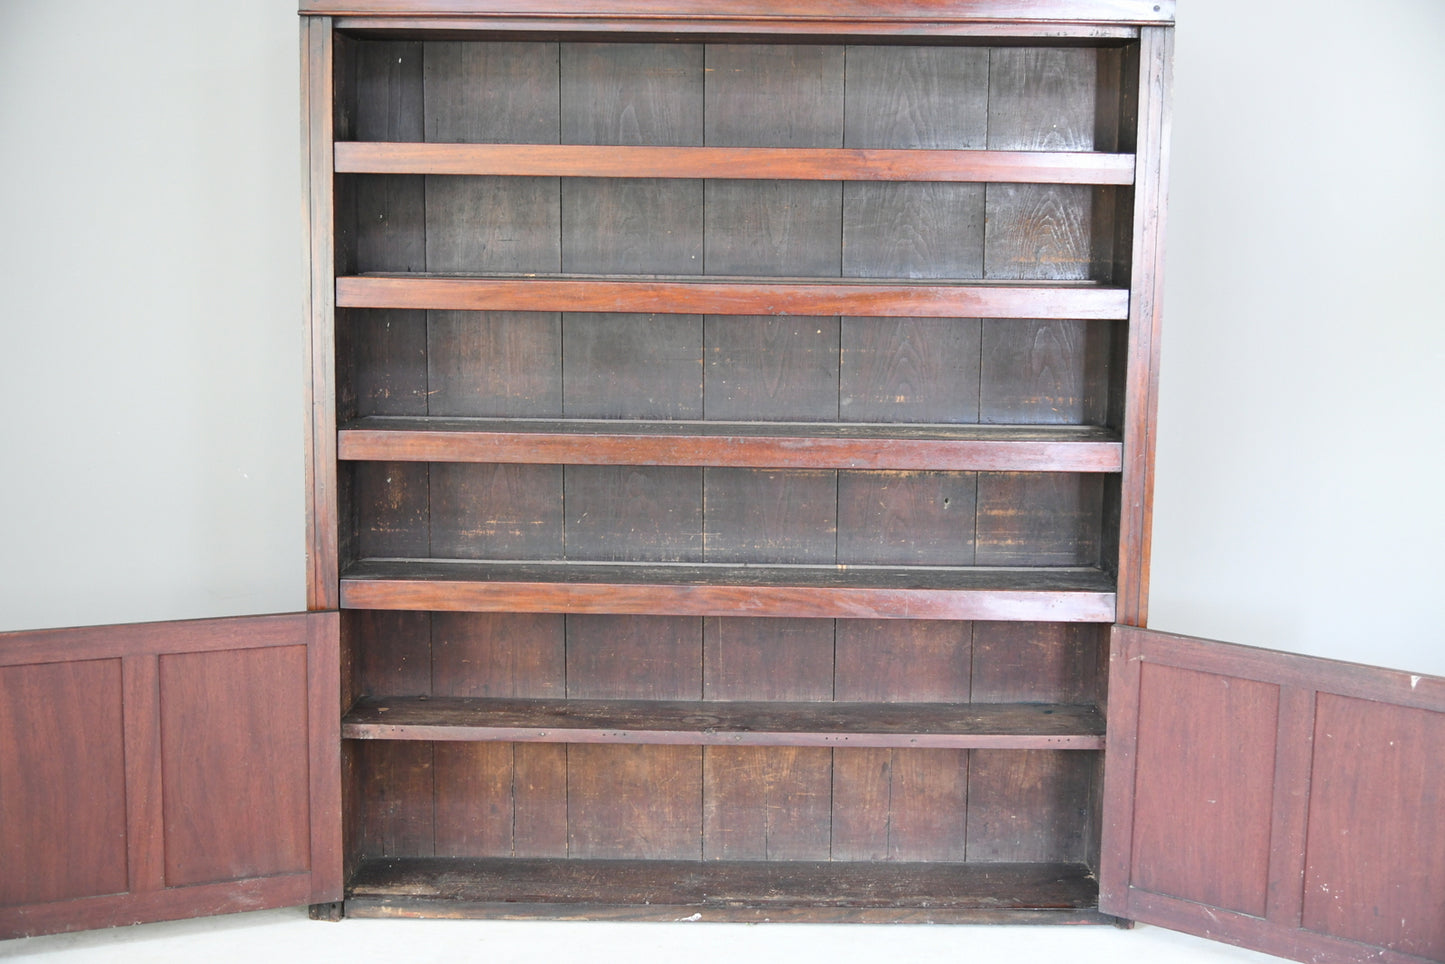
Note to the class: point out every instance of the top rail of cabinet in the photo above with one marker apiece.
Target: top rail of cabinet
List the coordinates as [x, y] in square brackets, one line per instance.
[1084, 20]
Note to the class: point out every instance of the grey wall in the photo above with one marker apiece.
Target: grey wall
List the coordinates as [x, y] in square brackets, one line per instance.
[150, 341]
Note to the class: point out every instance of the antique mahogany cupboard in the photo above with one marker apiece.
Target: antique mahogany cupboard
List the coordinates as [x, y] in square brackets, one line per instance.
[731, 427]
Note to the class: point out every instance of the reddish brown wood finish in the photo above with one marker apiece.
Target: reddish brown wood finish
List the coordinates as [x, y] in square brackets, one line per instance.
[735, 297]
[765, 12]
[755, 445]
[1281, 802]
[798, 164]
[164, 770]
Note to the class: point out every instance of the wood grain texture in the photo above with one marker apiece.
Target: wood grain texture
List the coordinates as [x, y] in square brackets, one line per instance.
[389, 510]
[1053, 662]
[62, 782]
[742, 163]
[909, 370]
[774, 96]
[492, 92]
[382, 366]
[629, 513]
[1029, 805]
[494, 363]
[496, 511]
[903, 660]
[775, 229]
[631, 94]
[740, 297]
[770, 368]
[767, 659]
[396, 787]
[498, 654]
[767, 803]
[633, 658]
[642, 802]
[1045, 372]
[913, 230]
[391, 653]
[1038, 519]
[632, 366]
[906, 518]
[511, 224]
[473, 803]
[648, 226]
[762, 516]
[917, 98]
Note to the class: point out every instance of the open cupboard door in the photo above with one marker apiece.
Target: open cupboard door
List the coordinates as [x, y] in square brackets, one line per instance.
[1285, 803]
[164, 770]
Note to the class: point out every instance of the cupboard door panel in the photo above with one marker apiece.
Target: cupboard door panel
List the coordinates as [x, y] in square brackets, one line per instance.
[1280, 802]
[165, 770]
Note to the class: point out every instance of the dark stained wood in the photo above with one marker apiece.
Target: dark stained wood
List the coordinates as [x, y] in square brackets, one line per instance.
[927, 804]
[1041, 232]
[642, 802]
[643, 718]
[62, 782]
[752, 658]
[847, 11]
[494, 363]
[539, 794]
[1299, 750]
[917, 98]
[386, 101]
[906, 518]
[741, 444]
[1053, 662]
[473, 804]
[1038, 519]
[632, 366]
[762, 516]
[640, 226]
[630, 513]
[397, 790]
[774, 96]
[773, 228]
[492, 92]
[1375, 860]
[511, 224]
[572, 160]
[1029, 805]
[1042, 99]
[737, 297]
[781, 368]
[723, 890]
[767, 803]
[112, 740]
[390, 653]
[1045, 372]
[385, 359]
[498, 654]
[626, 94]
[886, 660]
[1059, 594]
[633, 658]
[390, 508]
[496, 511]
[913, 230]
[909, 370]
[225, 717]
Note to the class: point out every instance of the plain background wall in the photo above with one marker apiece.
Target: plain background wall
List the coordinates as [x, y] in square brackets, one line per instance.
[150, 341]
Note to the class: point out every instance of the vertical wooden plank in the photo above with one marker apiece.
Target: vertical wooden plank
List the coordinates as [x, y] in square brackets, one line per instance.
[390, 510]
[775, 516]
[145, 832]
[632, 366]
[906, 518]
[929, 805]
[395, 798]
[771, 368]
[519, 655]
[1375, 863]
[494, 363]
[492, 93]
[909, 369]
[930, 98]
[387, 106]
[1289, 828]
[757, 658]
[539, 793]
[391, 652]
[640, 94]
[386, 102]
[862, 803]
[892, 660]
[482, 511]
[634, 657]
[1029, 805]
[633, 513]
[511, 225]
[382, 362]
[318, 132]
[913, 230]
[474, 805]
[225, 716]
[63, 782]
[638, 802]
[1038, 662]
[1039, 519]
[767, 803]
[323, 736]
[1045, 372]
[1146, 286]
[1040, 232]
[774, 96]
[632, 226]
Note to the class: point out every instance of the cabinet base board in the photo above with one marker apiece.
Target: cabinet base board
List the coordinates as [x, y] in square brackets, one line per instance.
[748, 891]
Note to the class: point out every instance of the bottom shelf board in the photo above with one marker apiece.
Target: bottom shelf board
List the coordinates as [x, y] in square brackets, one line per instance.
[694, 890]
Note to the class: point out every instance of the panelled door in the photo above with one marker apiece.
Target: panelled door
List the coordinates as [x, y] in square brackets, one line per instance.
[164, 770]
[1285, 803]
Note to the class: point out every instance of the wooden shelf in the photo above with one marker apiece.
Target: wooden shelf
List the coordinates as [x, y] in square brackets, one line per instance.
[747, 163]
[1082, 301]
[995, 448]
[1028, 726]
[697, 890]
[703, 589]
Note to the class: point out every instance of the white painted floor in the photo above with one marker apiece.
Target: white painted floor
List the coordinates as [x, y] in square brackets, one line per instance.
[282, 936]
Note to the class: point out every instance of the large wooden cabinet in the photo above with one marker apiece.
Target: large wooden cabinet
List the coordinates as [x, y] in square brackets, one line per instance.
[734, 473]
[730, 443]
